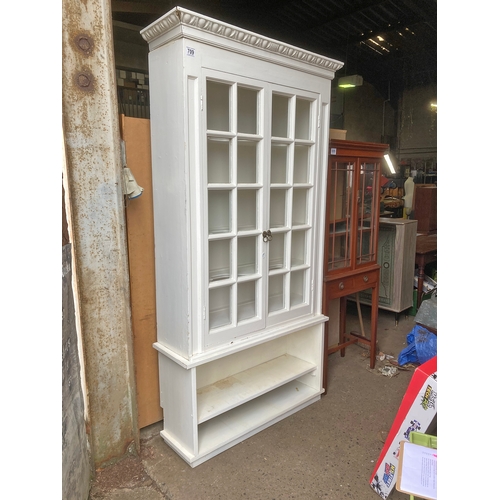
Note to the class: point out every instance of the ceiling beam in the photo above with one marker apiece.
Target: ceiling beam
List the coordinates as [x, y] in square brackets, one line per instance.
[425, 15]
[138, 7]
[345, 15]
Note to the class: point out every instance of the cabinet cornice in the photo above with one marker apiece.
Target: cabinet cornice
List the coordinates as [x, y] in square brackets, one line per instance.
[196, 26]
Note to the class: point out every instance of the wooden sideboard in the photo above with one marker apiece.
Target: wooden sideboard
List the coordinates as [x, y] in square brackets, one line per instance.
[425, 208]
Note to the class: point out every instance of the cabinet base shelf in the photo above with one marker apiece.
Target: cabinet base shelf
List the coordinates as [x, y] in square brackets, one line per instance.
[221, 433]
[239, 388]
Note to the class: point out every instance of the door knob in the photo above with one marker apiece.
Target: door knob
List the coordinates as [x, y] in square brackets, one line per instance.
[267, 236]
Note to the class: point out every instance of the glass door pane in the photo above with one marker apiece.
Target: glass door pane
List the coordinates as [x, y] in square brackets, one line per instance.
[277, 208]
[218, 95]
[247, 110]
[219, 260]
[339, 214]
[280, 115]
[276, 293]
[220, 307]
[368, 196]
[301, 164]
[279, 162]
[297, 288]
[247, 209]
[218, 161]
[303, 119]
[277, 251]
[219, 212]
[298, 249]
[247, 161]
[246, 301]
[300, 207]
[247, 255]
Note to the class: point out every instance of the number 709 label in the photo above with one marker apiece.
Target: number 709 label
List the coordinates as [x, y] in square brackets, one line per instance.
[190, 51]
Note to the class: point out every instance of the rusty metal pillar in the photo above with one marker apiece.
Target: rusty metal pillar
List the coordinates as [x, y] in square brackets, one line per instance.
[91, 131]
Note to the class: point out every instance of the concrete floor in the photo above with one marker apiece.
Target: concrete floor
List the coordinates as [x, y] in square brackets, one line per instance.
[327, 450]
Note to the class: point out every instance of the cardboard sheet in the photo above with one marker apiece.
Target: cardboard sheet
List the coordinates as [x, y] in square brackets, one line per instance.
[140, 239]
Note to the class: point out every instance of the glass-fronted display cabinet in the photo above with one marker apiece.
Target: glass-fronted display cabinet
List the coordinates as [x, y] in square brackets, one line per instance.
[353, 211]
[239, 137]
[351, 231]
[260, 204]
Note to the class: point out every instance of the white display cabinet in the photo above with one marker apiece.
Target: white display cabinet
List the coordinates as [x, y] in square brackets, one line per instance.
[239, 129]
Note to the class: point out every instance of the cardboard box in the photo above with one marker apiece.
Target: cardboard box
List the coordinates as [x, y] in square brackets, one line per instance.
[416, 413]
[336, 133]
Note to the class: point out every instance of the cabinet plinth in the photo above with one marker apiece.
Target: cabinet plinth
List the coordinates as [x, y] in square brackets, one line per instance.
[239, 133]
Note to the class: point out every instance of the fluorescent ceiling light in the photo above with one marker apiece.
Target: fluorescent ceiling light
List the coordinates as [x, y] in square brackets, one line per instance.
[389, 163]
[346, 82]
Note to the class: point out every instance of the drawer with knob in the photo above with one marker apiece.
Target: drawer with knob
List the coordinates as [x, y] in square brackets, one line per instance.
[347, 285]
[365, 280]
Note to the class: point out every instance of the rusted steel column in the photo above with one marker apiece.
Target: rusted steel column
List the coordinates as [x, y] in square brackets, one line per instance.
[91, 131]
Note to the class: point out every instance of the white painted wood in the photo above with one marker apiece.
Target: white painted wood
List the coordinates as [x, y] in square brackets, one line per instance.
[204, 455]
[239, 421]
[239, 127]
[196, 27]
[178, 401]
[209, 373]
[171, 202]
[258, 338]
[237, 389]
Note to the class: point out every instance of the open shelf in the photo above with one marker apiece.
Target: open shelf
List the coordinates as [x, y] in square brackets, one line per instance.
[231, 425]
[237, 389]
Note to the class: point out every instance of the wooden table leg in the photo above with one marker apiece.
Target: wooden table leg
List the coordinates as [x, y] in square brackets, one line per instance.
[352, 337]
[374, 321]
[342, 323]
[325, 358]
[325, 305]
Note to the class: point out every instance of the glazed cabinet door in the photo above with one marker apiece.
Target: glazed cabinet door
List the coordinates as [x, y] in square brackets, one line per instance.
[340, 213]
[368, 188]
[235, 175]
[259, 151]
[292, 192]
[351, 229]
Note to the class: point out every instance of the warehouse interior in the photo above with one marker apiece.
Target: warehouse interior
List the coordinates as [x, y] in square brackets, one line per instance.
[391, 47]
